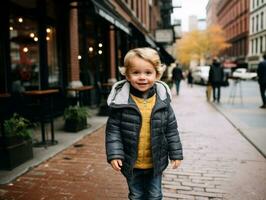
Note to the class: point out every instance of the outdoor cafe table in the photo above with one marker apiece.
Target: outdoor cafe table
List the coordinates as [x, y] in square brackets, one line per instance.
[43, 95]
[78, 92]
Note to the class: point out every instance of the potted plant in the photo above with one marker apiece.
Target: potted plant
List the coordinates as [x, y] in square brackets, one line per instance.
[75, 118]
[15, 142]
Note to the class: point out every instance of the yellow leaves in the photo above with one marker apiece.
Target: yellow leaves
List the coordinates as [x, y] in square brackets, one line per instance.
[201, 44]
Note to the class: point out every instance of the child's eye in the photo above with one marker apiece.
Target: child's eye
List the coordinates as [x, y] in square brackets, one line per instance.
[148, 72]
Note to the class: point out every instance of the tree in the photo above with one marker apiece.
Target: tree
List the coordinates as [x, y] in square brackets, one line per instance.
[197, 45]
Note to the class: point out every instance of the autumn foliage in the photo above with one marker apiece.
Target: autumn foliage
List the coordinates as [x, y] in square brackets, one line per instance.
[196, 45]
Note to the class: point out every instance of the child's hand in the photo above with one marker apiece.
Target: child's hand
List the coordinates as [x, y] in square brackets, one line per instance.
[116, 164]
[175, 163]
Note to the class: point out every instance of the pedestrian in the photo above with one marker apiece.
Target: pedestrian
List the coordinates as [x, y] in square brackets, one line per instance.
[177, 76]
[141, 130]
[261, 71]
[190, 78]
[216, 76]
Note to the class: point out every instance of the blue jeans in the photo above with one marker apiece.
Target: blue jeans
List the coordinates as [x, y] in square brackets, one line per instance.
[144, 186]
[177, 86]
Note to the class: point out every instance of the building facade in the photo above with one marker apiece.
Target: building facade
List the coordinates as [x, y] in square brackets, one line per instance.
[50, 44]
[257, 33]
[233, 17]
[211, 12]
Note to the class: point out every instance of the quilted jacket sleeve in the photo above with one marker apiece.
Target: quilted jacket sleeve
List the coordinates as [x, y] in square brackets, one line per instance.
[172, 136]
[113, 140]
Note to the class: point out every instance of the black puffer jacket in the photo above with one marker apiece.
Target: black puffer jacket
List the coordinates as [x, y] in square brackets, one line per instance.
[124, 123]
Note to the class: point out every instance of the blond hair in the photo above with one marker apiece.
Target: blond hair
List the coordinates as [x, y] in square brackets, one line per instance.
[144, 53]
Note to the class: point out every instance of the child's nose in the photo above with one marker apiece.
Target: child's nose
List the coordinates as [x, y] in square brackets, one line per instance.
[142, 76]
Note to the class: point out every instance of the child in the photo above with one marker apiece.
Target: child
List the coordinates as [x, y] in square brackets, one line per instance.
[141, 129]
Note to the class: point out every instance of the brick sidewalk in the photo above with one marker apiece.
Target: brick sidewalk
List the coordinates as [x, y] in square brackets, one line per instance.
[218, 163]
[80, 172]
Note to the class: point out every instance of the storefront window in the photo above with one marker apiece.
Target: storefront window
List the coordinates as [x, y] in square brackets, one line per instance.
[52, 57]
[24, 47]
[24, 51]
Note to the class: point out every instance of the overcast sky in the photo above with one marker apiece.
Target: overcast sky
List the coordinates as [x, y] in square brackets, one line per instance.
[189, 7]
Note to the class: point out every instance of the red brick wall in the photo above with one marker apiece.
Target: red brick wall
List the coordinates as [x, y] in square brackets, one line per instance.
[74, 47]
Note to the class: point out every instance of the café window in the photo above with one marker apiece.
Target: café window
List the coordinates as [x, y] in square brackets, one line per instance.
[24, 51]
[53, 68]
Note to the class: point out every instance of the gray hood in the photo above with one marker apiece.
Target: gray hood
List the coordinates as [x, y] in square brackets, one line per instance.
[120, 92]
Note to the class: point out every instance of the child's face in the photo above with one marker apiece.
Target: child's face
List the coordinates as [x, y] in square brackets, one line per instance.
[141, 74]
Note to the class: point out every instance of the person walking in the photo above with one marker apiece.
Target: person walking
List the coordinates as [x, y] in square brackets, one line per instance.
[190, 78]
[261, 71]
[141, 131]
[177, 76]
[216, 76]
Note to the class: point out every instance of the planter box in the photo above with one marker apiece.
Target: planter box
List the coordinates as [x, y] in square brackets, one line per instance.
[14, 152]
[75, 125]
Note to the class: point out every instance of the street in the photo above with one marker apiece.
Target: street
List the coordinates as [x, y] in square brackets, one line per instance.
[219, 162]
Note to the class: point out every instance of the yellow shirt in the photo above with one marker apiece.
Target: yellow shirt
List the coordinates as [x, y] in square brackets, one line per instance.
[144, 159]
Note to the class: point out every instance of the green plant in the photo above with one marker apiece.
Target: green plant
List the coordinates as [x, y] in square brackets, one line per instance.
[76, 112]
[18, 126]
[76, 118]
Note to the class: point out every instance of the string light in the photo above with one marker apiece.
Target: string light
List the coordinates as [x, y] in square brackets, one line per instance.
[25, 49]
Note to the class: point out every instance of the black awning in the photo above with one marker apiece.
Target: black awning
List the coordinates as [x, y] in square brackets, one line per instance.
[166, 58]
[150, 41]
[106, 12]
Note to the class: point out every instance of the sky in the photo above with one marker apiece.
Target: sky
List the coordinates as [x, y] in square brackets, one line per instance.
[189, 7]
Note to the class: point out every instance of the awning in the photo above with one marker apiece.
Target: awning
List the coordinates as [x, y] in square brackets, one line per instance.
[104, 11]
[150, 41]
[166, 58]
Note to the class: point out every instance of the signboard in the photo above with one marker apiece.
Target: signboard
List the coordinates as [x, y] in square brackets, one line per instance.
[164, 35]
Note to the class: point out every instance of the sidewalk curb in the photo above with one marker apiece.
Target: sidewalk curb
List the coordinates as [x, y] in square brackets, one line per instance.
[237, 128]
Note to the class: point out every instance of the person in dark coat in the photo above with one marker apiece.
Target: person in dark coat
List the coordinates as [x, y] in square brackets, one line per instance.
[261, 71]
[177, 76]
[141, 131]
[190, 78]
[216, 76]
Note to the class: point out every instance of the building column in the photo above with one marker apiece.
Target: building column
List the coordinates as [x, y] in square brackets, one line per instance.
[74, 70]
[112, 49]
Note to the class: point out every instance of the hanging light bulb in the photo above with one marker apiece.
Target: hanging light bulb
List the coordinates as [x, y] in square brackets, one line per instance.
[20, 19]
[25, 49]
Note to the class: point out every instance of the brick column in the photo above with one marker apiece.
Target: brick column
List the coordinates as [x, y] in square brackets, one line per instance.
[112, 55]
[74, 79]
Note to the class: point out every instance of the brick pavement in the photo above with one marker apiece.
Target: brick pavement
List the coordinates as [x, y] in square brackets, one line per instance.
[219, 163]
[77, 173]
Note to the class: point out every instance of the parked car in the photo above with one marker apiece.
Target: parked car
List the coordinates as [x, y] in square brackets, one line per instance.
[242, 73]
[201, 74]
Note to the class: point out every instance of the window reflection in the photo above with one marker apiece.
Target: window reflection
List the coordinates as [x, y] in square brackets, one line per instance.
[24, 51]
[52, 57]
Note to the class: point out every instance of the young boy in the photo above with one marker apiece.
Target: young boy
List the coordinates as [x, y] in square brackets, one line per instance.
[141, 130]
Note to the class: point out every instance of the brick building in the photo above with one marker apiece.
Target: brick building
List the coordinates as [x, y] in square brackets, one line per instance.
[61, 44]
[233, 16]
